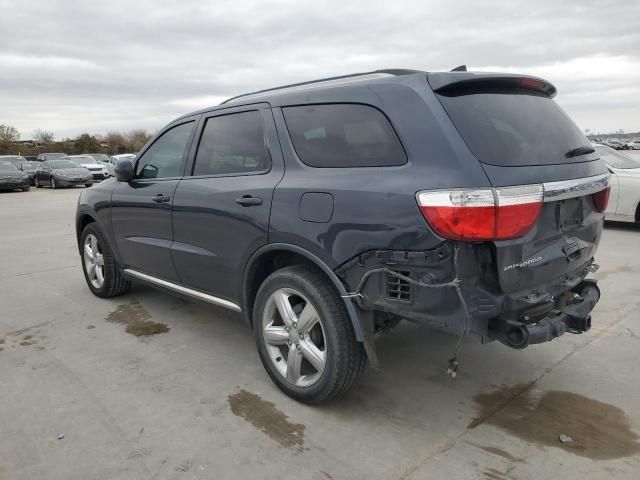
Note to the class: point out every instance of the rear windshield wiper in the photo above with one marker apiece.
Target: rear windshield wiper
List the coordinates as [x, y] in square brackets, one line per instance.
[579, 151]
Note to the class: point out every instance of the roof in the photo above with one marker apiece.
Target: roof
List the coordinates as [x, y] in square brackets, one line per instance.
[322, 83]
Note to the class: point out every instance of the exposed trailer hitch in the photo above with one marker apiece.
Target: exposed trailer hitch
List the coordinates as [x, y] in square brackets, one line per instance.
[573, 318]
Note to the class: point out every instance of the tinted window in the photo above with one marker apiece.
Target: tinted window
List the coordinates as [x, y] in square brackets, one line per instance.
[167, 156]
[59, 164]
[513, 128]
[232, 144]
[343, 135]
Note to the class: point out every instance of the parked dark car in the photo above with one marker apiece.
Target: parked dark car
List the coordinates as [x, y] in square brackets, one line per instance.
[43, 157]
[328, 211]
[29, 168]
[62, 173]
[11, 178]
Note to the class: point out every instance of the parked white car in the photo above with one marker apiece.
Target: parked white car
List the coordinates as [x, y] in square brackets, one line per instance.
[98, 170]
[633, 144]
[624, 201]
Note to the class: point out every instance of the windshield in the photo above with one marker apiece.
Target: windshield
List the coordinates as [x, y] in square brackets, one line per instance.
[7, 167]
[101, 157]
[513, 128]
[82, 159]
[58, 164]
[616, 159]
[29, 165]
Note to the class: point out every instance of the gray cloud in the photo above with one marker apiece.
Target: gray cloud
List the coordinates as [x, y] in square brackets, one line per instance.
[72, 66]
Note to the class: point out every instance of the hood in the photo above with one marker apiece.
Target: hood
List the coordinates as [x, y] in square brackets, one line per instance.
[627, 172]
[11, 175]
[80, 171]
[91, 165]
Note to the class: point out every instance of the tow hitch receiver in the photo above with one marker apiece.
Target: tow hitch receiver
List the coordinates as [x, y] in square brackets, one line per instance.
[575, 317]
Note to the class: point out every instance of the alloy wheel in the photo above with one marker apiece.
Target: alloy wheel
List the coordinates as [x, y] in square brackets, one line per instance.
[93, 261]
[294, 337]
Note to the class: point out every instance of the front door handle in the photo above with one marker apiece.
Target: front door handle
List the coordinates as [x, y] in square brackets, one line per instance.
[161, 198]
[249, 201]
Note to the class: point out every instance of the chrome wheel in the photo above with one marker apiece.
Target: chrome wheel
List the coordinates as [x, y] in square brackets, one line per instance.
[294, 336]
[93, 261]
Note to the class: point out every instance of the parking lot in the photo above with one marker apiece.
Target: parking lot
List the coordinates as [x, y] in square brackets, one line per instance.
[88, 394]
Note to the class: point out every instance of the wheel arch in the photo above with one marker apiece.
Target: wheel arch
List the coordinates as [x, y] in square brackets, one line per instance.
[278, 255]
[83, 219]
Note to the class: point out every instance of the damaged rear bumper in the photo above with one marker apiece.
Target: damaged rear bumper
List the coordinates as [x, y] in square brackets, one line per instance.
[455, 288]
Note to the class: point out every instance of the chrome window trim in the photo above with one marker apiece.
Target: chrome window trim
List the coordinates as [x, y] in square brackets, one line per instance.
[579, 187]
[184, 290]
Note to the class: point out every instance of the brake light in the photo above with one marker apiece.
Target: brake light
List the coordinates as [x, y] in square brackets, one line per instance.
[484, 214]
[601, 199]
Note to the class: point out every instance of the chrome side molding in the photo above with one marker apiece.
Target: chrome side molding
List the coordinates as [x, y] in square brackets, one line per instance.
[221, 302]
[565, 189]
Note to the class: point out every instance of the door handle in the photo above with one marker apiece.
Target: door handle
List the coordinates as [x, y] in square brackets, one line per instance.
[161, 198]
[249, 201]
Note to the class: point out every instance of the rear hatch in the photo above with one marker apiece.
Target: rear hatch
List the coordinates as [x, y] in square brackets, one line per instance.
[521, 136]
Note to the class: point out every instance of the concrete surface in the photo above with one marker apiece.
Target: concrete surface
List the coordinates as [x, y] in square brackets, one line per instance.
[194, 402]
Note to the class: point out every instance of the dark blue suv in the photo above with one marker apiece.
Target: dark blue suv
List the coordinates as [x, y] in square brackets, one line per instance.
[326, 212]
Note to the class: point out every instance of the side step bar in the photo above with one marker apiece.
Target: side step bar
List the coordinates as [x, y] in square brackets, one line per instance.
[221, 302]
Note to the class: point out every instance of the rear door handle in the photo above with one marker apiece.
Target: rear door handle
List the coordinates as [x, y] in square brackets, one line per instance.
[249, 201]
[161, 198]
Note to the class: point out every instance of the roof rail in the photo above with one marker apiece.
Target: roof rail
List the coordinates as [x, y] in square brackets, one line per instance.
[329, 81]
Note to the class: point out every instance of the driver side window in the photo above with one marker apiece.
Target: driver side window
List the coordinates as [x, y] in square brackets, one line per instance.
[167, 156]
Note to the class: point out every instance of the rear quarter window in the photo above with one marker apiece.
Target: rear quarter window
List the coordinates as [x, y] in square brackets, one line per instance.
[343, 135]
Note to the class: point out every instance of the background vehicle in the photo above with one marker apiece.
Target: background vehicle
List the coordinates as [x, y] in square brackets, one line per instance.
[29, 168]
[15, 159]
[624, 202]
[11, 178]
[98, 170]
[272, 205]
[633, 145]
[104, 160]
[62, 173]
[615, 143]
[42, 157]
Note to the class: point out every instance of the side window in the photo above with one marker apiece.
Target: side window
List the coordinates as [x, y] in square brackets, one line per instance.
[167, 156]
[232, 144]
[343, 135]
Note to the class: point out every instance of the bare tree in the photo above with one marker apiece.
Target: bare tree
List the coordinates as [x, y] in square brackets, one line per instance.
[136, 139]
[43, 136]
[8, 134]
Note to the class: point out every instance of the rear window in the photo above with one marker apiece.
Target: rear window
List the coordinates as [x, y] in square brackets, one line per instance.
[343, 135]
[513, 128]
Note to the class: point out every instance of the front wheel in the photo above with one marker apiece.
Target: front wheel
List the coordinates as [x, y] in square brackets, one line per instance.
[304, 335]
[101, 270]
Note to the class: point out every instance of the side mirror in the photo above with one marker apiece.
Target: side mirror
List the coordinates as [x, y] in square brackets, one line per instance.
[123, 170]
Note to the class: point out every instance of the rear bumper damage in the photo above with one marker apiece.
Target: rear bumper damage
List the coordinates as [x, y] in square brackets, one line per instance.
[455, 288]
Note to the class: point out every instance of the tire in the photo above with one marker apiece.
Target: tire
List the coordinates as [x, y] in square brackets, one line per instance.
[36, 183]
[52, 183]
[26, 189]
[113, 283]
[88, 185]
[332, 336]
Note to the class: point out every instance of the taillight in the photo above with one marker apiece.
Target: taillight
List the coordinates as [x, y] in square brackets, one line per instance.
[601, 199]
[484, 214]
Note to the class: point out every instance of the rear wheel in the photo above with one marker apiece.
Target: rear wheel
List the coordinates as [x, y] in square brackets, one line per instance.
[304, 336]
[101, 270]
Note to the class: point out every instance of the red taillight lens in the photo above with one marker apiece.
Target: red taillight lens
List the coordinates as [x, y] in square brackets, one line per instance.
[477, 215]
[601, 199]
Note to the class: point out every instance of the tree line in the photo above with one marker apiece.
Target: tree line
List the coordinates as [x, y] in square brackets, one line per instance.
[111, 143]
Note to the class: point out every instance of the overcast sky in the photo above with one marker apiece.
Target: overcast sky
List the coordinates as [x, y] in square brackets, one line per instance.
[73, 66]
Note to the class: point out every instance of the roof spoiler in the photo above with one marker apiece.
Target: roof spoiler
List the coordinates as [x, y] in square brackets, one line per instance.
[460, 80]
